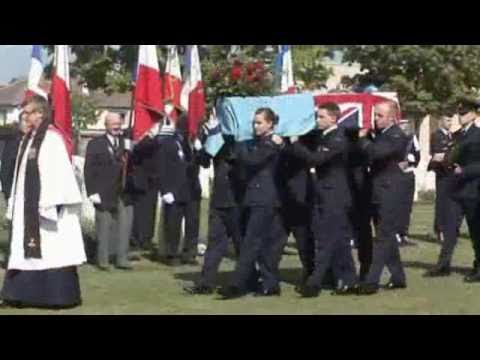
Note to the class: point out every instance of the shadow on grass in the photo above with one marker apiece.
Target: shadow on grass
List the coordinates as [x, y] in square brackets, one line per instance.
[427, 267]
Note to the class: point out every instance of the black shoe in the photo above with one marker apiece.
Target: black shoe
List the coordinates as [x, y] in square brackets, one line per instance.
[438, 272]
[192, 262]
[171, 261]
[472, 278]
[307, 291]
[134, 258]
[393, 286]
[268, 292]
[231, 293]
[367, 289]
[102, 267]
[126, 267]
[199, 290]
[346, 291]
[407, 243]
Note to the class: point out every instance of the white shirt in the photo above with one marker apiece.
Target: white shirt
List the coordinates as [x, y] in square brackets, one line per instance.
[112, 140]
[465, 130]
[446, 132]
[386, 129]
[329, 130]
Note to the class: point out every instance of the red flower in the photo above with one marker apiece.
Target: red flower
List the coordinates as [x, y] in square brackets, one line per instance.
[259, 66]
[236, 72]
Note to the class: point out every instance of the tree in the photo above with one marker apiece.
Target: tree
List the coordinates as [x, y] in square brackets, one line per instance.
[428, 78]
[309, 65]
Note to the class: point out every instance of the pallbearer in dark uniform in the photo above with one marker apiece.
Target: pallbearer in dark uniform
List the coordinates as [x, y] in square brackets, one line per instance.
[331, 203]
[296, 209]
[407, 188]
[466, 160]
[179, 184]
[262, 204]
[385, 152]
[361, 210]
[110, 192]
[225, 211]
[447, 210]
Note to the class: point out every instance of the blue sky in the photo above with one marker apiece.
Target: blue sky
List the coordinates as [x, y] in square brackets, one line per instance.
[14, 61]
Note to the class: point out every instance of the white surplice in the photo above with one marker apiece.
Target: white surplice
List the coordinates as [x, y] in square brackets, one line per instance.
[61, 235]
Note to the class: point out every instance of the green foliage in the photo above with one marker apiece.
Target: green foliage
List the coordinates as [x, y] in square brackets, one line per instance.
[83, 112]
[428, 78]
[309, 66]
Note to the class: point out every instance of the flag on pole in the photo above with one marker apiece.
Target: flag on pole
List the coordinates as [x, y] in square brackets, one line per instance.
[36, 73]
[285, 70]
[61, 100]
[148, 91]
[172, 79]
[193, 92]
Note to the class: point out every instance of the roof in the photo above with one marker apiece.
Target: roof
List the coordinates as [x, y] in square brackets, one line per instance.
[13, 95]
[122, 101]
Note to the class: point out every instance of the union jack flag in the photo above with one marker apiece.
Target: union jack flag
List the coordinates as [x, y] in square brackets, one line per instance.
[357, 109]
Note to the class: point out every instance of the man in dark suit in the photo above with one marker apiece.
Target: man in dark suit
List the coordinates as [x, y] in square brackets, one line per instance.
[332, 201]
[447, 211]
[385, 153]
[466, 160]
[109, 189]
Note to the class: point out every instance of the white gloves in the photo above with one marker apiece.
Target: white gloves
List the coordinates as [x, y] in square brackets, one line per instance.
[95, 199]
[128, 144]
[49, 213]
[168, 198]
[197, 145]
[411, 158]
[154, 131]
[212, 123]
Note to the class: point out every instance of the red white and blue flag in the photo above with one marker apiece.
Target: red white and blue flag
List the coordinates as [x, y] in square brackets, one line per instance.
[357, 109]
[172, 79]
[193, 92]
[148, 102]
[285, 70]
[61, 98]
[36, 73]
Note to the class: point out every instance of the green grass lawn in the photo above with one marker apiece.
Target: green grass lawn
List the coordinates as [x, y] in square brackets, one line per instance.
[156, 289]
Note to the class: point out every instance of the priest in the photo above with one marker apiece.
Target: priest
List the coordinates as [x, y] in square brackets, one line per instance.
[44, 207]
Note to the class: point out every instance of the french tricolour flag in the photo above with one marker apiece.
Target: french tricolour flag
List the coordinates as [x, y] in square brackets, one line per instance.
[193, 92]
[148, 91]
[285, 70]
[36, 73]
[172, 79]
[61, 99]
